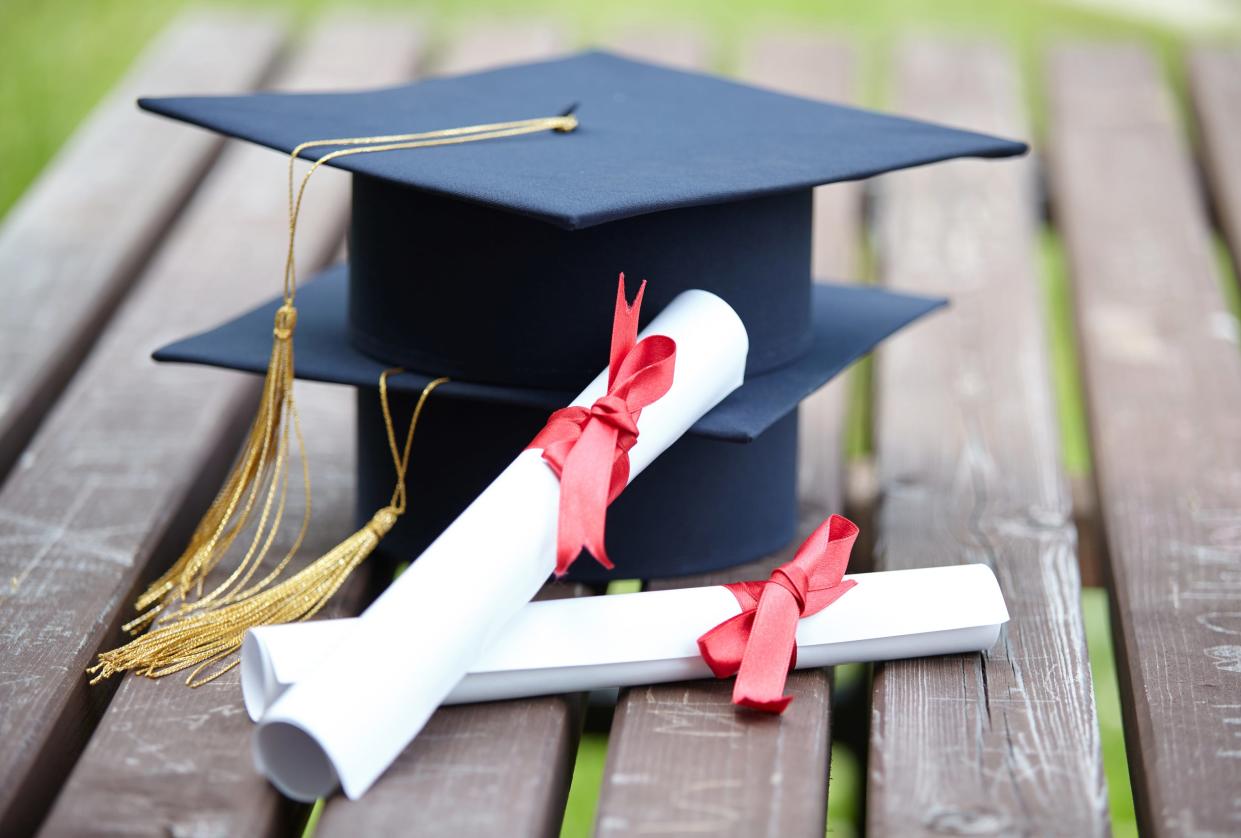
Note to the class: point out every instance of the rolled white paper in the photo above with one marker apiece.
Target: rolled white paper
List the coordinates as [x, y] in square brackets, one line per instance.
[367, 697]
[572, 645]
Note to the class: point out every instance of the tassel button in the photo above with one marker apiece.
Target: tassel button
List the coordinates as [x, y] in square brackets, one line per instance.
[286, 319]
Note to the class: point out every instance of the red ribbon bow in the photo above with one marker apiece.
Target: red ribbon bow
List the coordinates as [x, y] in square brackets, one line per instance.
[758, 645]
[589, 448]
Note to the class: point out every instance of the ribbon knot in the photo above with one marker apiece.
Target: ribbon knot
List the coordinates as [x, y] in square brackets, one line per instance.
[794, 580]
[759, 644]
[613, 411]
[588, 448]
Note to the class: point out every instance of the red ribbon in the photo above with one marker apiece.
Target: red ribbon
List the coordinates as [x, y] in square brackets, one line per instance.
[589, 448]
[758, 645]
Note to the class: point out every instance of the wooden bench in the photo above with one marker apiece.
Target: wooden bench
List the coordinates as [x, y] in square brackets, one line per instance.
[107, 458]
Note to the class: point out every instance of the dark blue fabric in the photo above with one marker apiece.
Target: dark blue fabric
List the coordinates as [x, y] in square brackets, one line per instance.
[848, 322]
[705, 504]
[650, 138]
[544, 318]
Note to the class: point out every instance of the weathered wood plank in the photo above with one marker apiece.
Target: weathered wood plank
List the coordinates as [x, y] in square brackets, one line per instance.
[481, 769]
[681, 757]
[104, 488]
[1215, 84]
[1163, 386]
[1005, 742]
[684, 49]
[170, 760]
[816, 67]
[70, 249]
[484, 45]
[500, 768]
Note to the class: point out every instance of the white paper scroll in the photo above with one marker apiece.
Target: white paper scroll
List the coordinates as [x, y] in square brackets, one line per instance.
[367, 697]
[571, 645]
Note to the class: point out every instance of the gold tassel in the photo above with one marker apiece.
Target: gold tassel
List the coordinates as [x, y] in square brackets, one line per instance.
[208, 638]
[261, 470]
[258, 481]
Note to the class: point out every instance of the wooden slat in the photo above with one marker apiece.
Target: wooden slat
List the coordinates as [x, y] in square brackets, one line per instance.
[70, 249]
[485, 45]
[818, 68]
[1163, 386]
[1215, 83]
[684, 49]
[122, 466]
[1004, 742]
[483, 769]
[681, 758]
[166, 759]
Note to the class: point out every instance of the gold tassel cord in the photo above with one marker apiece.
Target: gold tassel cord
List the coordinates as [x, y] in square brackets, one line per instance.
[207, 639]
[402, 142]
[257, 484]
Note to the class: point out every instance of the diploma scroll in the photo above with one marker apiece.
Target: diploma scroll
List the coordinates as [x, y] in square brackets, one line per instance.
[366, 697]
[572, 645]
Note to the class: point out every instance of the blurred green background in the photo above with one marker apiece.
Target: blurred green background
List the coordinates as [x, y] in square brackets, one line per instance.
[58, 57]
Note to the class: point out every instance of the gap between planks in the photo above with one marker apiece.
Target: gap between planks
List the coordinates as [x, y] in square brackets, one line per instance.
[1215, 87]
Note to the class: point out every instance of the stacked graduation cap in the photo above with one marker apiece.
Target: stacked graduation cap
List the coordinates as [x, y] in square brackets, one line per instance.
[495, 264]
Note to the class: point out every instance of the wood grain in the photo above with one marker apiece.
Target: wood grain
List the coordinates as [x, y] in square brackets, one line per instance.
[71, 248]
[482, 769]
[169, 760]
[166, 759]
[681, 758]
[114, 480]
[1215, 87]
[1163, 386]
[1005, 742]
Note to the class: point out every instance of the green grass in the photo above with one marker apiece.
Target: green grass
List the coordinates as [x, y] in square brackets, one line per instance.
[844, 813]
[57, 59]
[1226, 270]
[312, 819]
[1062, 343]
[579, 813]
[624, 586]
[1107, 700]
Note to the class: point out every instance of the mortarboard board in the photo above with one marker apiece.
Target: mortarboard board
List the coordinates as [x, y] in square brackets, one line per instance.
[493, 264]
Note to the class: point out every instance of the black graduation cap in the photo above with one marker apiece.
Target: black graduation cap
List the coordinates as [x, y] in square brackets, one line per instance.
[495, 264]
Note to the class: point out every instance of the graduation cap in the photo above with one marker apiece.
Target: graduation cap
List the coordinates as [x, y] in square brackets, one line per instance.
[494, 264]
